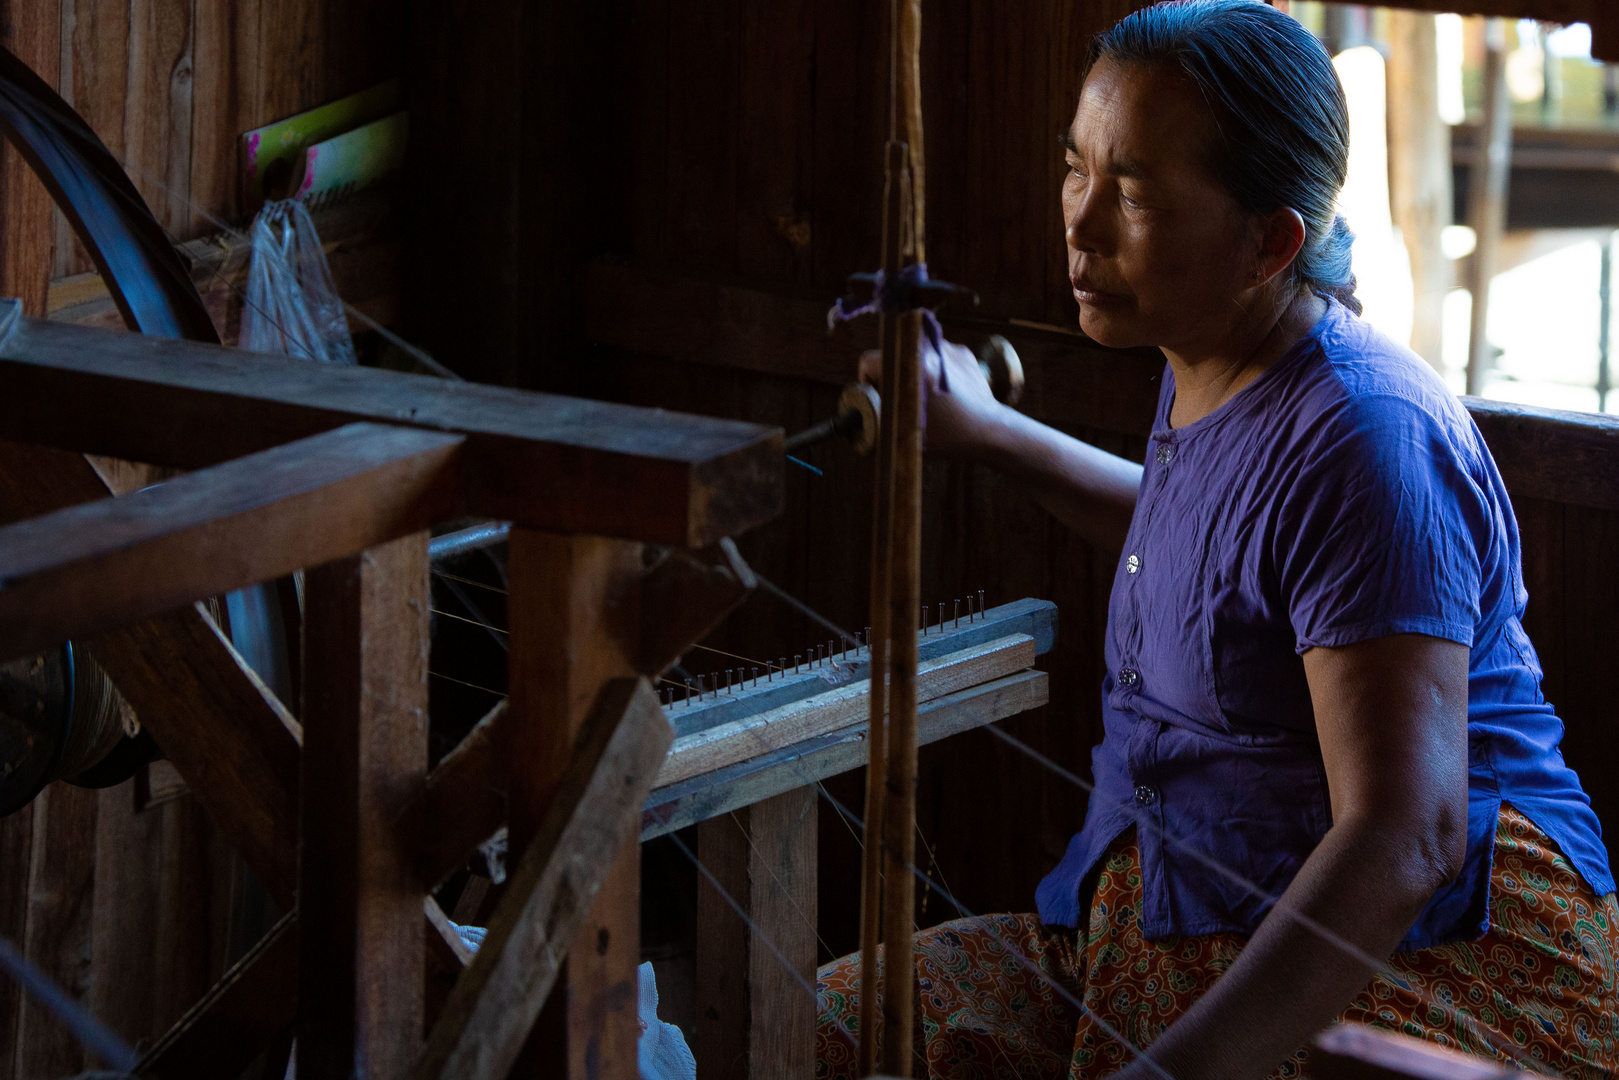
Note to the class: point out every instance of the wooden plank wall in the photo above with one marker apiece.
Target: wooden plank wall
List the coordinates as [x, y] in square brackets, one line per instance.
[170, 85]
[137, 912]
[740, 141]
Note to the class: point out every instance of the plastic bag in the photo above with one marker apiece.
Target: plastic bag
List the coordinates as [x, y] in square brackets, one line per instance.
[292, 306]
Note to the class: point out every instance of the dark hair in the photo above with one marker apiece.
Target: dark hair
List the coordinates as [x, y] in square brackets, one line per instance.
[1278, 107]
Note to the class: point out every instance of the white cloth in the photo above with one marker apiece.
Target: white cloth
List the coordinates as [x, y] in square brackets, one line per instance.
[661, 1053]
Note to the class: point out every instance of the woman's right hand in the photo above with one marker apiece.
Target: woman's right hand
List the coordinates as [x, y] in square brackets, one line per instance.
[960, 421]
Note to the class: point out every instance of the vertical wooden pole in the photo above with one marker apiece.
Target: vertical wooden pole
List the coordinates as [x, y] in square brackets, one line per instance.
[1605, 327]
[1420, 184]
[364, 761]
[753, 1018]
[1487, 198]
[899, 815]
[871, 871]
[574, 617]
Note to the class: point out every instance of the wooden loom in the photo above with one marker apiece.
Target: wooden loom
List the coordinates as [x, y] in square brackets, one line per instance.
[344, 470]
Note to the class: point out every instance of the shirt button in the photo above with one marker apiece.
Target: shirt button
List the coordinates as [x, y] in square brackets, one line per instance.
[1129, 676]
[1145, 796]
[1132, 565]
[1166, 453]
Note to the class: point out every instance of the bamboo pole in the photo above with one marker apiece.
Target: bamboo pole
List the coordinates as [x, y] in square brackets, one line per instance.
[871, 894]
[888, 890]
[899, 815]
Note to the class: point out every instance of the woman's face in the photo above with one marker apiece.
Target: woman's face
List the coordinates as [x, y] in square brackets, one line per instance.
[1159, 253]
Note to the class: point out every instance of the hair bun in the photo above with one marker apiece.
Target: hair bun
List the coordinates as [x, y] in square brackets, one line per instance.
[1329, 267]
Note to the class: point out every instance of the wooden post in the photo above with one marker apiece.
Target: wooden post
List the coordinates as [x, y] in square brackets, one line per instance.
[1487, 198]
[892, 889]
[364, 761]
[754, 1019]
[1420, 184]
[575, 625]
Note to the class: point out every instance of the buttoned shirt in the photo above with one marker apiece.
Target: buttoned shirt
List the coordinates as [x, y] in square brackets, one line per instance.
[1344, 495]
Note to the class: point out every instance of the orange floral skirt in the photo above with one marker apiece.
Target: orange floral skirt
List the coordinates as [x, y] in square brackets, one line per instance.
[998, 993]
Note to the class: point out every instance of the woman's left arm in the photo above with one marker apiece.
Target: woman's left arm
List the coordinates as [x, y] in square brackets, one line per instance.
[1392, 718]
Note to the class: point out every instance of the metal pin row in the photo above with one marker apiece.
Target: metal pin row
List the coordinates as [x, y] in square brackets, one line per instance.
[739, 678]
[938, 621]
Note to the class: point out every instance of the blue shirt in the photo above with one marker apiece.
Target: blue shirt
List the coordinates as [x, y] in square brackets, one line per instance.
[1343, 495]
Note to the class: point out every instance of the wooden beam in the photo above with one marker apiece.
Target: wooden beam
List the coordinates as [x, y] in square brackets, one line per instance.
[541, 460]
[754, 1017]
[250, 1005]
[236, 745]
[109, 563]
[702, 797]
[365, 759]
[1566, 457]
[591, 818]
[464, 801]
[231, 739]
[684, 596]
[575, 628]
[726, 744]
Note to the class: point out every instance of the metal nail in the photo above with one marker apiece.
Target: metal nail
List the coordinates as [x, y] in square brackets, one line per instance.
[957, 625]
[755, 677]
[980, 602]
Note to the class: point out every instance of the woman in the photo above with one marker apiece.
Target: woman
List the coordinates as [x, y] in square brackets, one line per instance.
[1318, 681]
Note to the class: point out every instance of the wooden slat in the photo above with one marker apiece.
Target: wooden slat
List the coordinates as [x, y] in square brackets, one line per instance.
[702, 797]
[157, 122]
[105, 564]
[16, 851]
[592, 816]
[536, 459]
[32, 30]
[754, 1018]
[1565, 457]
[225, 51]
[226, 1029]
[726, 744]
[60, 886]
[465, 799]
[366, 641]
[1359, 1052]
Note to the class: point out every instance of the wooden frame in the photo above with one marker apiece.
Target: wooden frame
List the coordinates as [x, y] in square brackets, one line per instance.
[342, 471]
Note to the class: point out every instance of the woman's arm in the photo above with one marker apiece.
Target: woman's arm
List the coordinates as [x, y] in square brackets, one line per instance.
[1089, 490]
[1392, 718]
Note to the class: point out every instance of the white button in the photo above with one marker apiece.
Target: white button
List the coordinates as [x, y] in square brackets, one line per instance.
[1129, 676]
[1132, 565]
[1165, 453]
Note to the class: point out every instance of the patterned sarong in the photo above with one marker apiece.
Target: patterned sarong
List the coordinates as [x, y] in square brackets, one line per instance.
[1542, 979]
